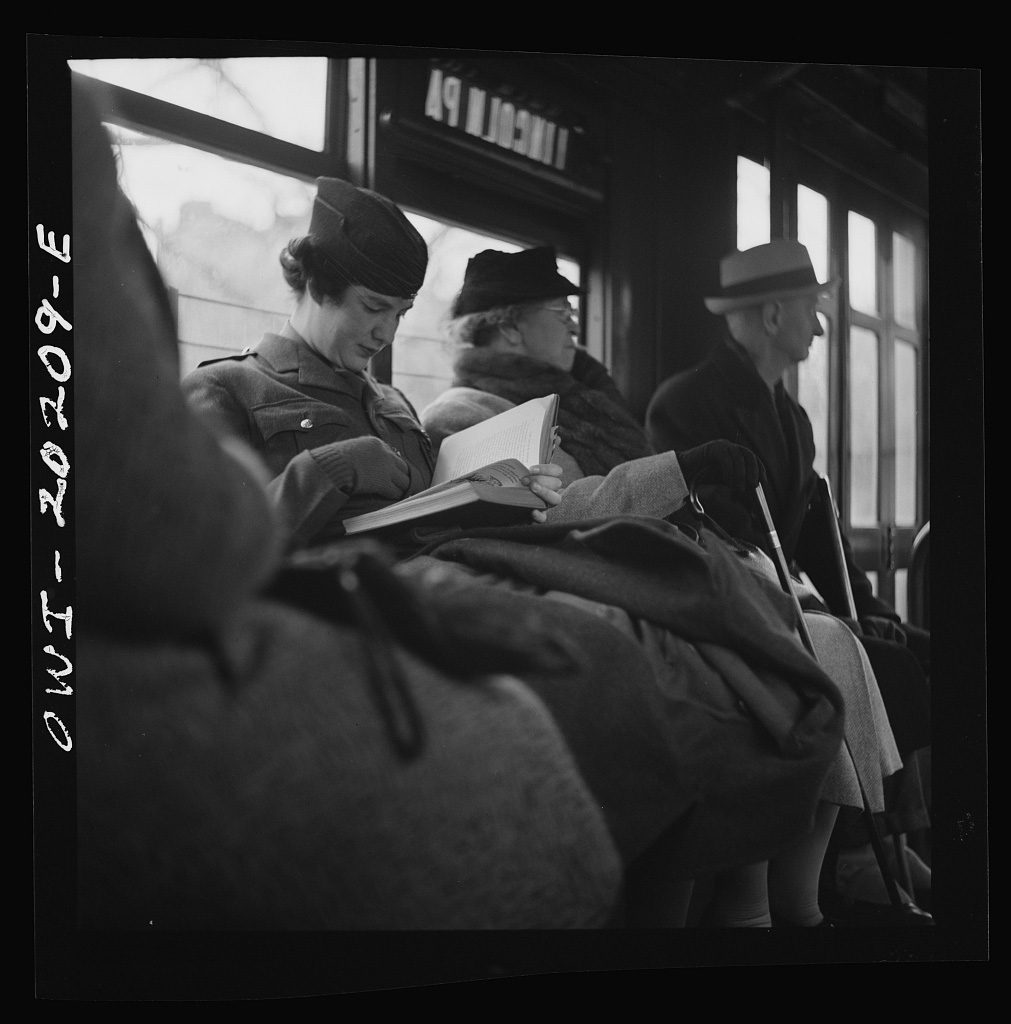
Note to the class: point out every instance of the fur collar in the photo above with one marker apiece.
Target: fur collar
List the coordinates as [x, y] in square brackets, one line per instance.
[595, 425]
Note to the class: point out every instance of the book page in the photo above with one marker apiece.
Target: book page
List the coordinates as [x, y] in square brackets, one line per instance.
[496, 484]
[505, 473]
[514, 434]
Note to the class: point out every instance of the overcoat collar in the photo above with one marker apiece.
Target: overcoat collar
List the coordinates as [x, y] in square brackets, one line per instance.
[749, 390]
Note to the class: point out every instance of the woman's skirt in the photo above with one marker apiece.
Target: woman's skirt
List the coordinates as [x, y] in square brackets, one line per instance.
[869, 754]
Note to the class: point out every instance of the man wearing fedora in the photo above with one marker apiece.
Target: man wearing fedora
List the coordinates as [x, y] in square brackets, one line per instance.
[768, 296]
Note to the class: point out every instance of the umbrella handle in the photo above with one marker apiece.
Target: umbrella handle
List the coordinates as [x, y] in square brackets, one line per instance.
[693, 497]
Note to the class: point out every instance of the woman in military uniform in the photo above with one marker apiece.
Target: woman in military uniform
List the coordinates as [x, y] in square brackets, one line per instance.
[336, 441]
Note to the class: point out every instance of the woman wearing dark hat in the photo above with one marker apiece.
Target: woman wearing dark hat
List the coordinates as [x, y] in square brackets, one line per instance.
[336, 441]
[517, 332]
[519, 335]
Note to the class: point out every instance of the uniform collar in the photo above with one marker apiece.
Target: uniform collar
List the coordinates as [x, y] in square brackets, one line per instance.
[288, 355]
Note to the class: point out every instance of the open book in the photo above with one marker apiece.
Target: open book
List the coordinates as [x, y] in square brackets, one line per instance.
[478, 472]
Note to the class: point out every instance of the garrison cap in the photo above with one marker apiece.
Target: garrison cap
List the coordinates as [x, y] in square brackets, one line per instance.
[366, 239]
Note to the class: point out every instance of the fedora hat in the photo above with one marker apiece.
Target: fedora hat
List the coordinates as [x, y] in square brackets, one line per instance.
[494, 278]
[780, 269]
[366, 239]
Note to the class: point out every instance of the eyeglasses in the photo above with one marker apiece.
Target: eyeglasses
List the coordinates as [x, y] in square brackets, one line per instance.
[566, 311]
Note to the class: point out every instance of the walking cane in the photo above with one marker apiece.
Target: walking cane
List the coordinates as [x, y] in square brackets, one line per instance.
[909, 910]
[831, 511]
[835, 537]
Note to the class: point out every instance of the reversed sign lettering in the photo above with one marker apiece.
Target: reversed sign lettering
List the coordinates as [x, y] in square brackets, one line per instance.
[479, 113]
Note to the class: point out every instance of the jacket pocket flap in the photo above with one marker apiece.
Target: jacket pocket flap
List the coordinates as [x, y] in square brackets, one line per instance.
[297, 417]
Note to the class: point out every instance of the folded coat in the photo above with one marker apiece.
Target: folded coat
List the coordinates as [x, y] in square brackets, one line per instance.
[696, 708]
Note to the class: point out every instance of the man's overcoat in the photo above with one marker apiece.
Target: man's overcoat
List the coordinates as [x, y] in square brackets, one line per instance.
[724, 397]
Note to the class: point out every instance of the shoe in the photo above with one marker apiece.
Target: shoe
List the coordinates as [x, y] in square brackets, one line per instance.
[861, 914]
[922, 899]
[863, 896]
[911, 916]
[919, 875]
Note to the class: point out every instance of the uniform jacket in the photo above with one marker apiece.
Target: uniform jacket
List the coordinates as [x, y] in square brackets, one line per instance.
[295, 410]
[724, 397]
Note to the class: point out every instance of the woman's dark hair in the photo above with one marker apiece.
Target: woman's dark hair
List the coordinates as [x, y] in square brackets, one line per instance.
[305, 267]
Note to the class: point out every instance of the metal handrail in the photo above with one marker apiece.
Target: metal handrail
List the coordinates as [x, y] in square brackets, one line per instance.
[917, 579]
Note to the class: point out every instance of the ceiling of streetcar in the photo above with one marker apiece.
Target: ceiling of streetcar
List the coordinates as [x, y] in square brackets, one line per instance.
[884, 105]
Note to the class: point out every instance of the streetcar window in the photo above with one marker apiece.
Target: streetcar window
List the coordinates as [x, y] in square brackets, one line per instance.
[813, 375]
[284, 97]
[904, 280]
[752, 204]
[422, 355]
[812, 228]
[902, 594]
[863, 251]
[863, 433]
[813, 392]
[215, 228]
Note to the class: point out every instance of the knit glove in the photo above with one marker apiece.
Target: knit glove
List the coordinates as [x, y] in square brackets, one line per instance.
[722, 462]
[365, 465]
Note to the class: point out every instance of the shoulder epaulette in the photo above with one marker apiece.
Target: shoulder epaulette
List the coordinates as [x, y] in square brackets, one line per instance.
[234, 357]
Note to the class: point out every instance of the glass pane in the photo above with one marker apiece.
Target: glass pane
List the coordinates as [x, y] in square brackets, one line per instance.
[216, 229]
[863, 263]
[905, 434]
[422, 354]
[752, 204]
[280, 96]
[873, 578]
[863, 417]
[813, 394]
[812, 228]
[901, 604]
[904, 274]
